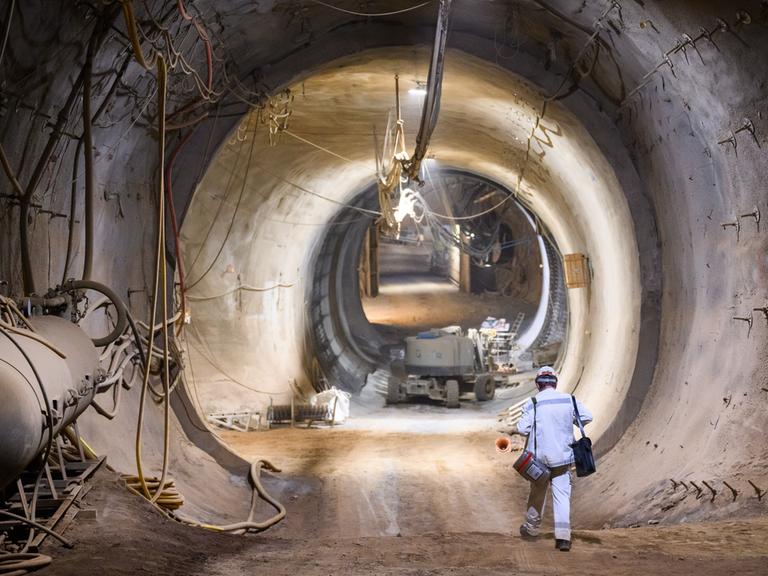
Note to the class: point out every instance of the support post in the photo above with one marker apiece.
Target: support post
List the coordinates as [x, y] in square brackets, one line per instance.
[465, 273]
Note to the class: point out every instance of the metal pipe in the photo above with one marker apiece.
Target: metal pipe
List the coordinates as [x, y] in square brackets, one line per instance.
[41, 392]
[88, 146]
[431, 107]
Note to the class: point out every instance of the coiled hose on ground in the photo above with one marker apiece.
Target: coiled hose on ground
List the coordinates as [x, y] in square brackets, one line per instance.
[19, 564]
[258, 492]
[169, 497]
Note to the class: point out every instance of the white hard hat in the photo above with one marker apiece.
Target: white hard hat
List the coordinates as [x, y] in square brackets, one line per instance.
[546, 370]
[546, 376]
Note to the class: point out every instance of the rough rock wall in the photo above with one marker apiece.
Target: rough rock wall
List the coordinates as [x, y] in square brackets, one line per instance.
[704, 414]
[701, 420]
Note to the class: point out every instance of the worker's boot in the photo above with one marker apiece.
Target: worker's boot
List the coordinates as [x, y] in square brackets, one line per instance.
[563, 545]
[527, 533]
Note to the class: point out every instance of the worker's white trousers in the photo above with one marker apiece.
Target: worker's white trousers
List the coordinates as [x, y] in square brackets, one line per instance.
[561, 503]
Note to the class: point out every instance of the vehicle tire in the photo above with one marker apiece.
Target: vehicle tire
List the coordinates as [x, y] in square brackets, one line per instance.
[485, 388]
[452, 393]
[393, 390]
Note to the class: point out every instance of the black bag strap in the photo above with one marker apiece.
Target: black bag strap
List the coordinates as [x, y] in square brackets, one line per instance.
[578, 417]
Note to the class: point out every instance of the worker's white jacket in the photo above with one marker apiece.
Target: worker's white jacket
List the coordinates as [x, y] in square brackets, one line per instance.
[555, 419]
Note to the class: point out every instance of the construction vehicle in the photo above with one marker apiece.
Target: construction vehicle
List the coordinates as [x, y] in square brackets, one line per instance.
[441, 365]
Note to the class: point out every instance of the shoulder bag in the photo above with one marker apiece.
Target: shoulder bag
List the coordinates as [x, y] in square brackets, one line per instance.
[582, 448]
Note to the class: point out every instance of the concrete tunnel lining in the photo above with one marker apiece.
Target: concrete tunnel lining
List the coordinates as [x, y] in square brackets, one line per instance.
[668, 133]
[348, 347]
[575, 212]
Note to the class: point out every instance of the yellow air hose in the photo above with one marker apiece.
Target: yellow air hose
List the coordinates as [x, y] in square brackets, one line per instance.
[162, 492]
[258, 492]
[160, 273]
[21, 563]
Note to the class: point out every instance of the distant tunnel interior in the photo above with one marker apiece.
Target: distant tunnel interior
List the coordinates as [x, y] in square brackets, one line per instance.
[280, 246]
[594, 179]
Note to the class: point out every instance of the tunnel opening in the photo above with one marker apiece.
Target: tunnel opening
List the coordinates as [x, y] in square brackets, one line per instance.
[287, 246]
[438, 274]
[458, 270]
[631, 133]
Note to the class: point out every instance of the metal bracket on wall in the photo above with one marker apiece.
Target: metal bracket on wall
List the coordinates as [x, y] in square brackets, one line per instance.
[668, 62]
[649, 24]
[109, 196]
[687, 42]
[736, 224]
[746, 126]
[698, 488]
[711, 489]
[754, 214]
[731, 140]
[748, 319]
[733, 490]
[132, 291]
[681, 45]
[707, 35]
[758, 491]
[764, 310]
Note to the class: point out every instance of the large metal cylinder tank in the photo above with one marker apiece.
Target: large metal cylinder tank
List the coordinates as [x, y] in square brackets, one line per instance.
[69, 383]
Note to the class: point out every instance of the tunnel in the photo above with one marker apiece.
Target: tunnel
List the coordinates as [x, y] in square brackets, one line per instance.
[211, 290]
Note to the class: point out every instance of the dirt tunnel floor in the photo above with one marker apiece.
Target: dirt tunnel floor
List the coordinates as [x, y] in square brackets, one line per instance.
[380, 503]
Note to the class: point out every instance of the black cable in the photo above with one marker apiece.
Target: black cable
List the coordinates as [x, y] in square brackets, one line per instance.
[186, 410]
[7, 29]
[371, 14]
[431, 108]
[137, 338]
[87, 145]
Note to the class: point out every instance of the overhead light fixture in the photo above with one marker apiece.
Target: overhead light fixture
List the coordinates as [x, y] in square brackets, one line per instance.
[420, 90]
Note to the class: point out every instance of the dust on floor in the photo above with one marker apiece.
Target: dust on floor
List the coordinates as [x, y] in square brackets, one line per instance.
[390, 504]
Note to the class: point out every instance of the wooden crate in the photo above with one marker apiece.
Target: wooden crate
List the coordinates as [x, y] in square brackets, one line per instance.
[576, 270]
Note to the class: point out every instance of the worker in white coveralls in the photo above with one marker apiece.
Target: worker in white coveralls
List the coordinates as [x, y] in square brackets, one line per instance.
[555, 418]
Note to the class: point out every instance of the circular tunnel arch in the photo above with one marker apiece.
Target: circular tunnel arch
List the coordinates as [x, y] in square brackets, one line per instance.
[668, 131]
[624, 196]
[347, 346]
[632, 60]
